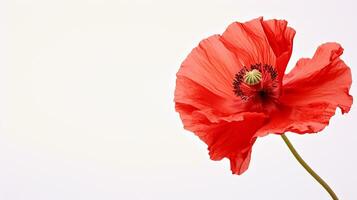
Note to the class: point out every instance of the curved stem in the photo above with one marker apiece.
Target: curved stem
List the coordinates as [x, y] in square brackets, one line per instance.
[308, 168]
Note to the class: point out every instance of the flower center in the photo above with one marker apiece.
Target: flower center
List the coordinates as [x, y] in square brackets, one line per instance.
[257, 83]
[253, 77]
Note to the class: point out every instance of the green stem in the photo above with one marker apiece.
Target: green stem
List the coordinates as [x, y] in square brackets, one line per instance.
[308, 168]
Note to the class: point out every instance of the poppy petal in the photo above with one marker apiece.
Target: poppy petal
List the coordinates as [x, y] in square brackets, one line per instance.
[232, 140]
[280, 38]
[249, 43]
[214, 107]
[205, 80]
[211, 65]
[258, 41]
[312, 92]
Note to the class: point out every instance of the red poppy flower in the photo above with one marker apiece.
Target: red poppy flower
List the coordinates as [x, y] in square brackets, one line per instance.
[232, 89]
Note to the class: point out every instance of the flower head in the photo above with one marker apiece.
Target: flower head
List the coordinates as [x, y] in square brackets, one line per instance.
[232, 88]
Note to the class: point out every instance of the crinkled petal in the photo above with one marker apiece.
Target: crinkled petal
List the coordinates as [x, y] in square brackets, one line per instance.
[249, 43]
[212, 105]
[232, 140]
[280, 38]
[211, 65]
[312, 91]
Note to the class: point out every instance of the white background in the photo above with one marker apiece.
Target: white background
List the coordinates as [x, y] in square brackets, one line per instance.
[87, 112]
